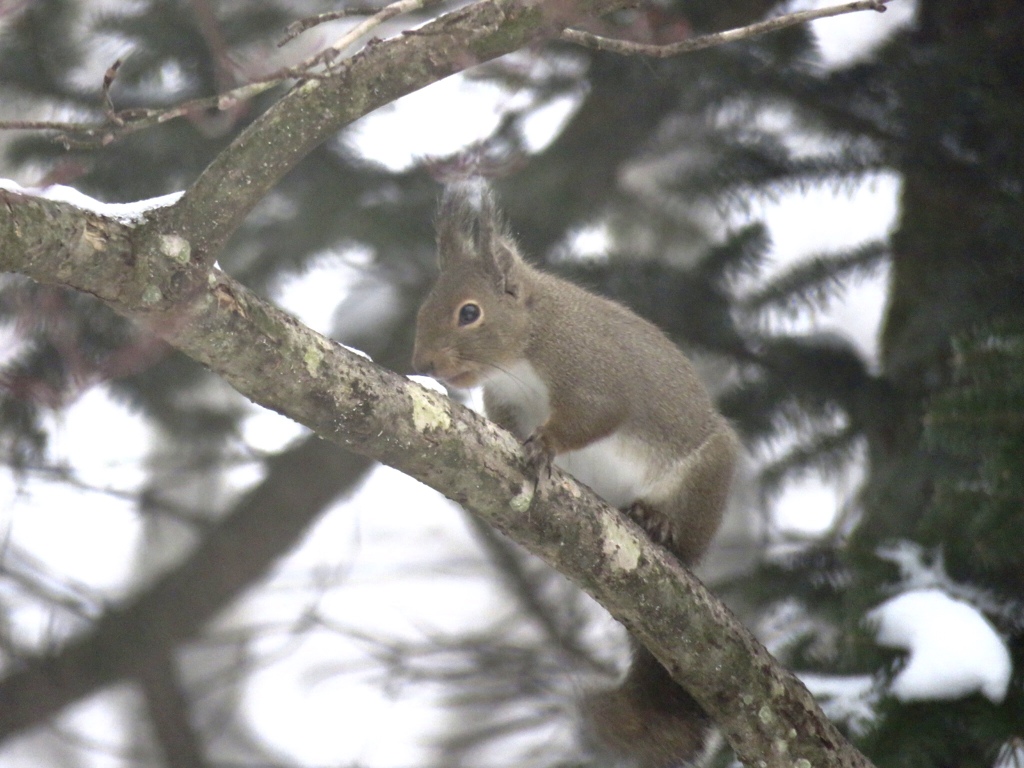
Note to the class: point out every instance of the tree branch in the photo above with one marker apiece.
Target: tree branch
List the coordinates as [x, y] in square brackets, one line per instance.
[119, 124]
[313, 111]
[170, 713]
[332, 52]
[317, 108]
[769, 717]
[629, 48]
[262, 527]
[296, 28]
[158, 272]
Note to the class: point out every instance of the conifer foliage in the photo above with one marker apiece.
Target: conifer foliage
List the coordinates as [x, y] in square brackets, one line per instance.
[658, 154]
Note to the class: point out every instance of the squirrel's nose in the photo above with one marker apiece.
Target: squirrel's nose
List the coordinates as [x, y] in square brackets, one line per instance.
[421, 365]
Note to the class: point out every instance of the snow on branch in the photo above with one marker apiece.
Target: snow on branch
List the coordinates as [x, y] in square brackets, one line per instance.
[125, 213]
[953, 651]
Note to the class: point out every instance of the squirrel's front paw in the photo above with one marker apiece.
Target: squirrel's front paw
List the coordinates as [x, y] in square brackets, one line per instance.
[538, 454]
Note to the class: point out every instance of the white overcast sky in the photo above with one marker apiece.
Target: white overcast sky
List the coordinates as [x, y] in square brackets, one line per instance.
[93, 539]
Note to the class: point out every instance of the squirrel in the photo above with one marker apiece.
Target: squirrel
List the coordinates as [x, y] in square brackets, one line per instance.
[601, 393]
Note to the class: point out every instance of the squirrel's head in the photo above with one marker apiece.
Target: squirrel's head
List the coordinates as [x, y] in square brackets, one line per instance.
[475, 319]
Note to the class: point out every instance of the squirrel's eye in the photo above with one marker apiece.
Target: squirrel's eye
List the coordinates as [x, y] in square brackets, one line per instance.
[469, 313]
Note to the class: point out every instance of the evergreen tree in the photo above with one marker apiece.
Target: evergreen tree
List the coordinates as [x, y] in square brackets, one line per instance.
[654, 152]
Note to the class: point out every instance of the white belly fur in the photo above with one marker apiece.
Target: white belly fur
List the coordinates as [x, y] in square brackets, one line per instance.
[615, 466]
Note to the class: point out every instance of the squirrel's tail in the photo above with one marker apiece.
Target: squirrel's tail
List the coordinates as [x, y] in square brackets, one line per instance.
[649, 720]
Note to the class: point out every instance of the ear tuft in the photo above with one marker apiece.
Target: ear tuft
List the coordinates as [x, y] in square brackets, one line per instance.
[455, 217]
[470, 228]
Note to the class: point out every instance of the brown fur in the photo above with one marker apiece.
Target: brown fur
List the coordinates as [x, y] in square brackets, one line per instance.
[564, 370]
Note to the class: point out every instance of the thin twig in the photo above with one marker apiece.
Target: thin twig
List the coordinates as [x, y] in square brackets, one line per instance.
[131, 120]
[108, 105]
[49, 125]
[118, 124]
[389, 11]
[628, 48]
[296, 28]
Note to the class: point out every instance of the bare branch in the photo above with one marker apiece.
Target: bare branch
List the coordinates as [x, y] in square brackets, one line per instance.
[123, 123]
[628, 48]
[159, 274]
[128, 121]
[238, 550]
[336, 48]
[170, 712]
[525, 587]
[768, 716]
[313, 111]
[108, 105]
[296, 28]
[120, 124]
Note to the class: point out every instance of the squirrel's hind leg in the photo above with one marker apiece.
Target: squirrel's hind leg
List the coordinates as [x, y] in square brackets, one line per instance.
[684, 509]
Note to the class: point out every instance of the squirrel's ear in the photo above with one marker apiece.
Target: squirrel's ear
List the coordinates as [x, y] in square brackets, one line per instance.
[470, 229]
[504, 259]
[496, 247]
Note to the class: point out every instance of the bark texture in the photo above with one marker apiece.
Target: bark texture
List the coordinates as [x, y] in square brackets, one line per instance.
[768, 716]
[159, 273]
